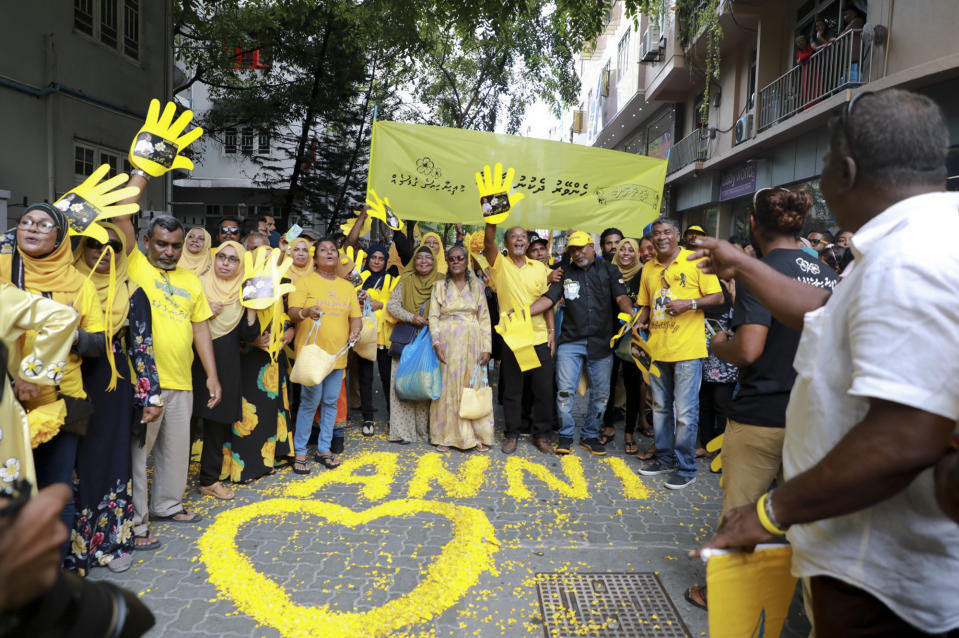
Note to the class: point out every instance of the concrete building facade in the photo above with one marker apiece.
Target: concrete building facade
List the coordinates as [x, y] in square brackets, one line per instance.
[75, 82]
[767, 116]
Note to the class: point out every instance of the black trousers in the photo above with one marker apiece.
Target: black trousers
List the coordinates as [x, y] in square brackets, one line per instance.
[714, 401]
[541, 386]
[633, 384]
[366, 382]
[841, 610]
[211, 458]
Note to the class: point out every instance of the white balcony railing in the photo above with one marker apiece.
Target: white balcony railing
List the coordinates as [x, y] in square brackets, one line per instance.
[844, 63]
[692, 148]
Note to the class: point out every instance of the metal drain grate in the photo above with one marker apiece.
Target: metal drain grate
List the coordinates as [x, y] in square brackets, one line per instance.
[607, 605]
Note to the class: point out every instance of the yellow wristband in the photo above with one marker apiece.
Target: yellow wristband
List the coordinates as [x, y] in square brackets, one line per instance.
[764, 519]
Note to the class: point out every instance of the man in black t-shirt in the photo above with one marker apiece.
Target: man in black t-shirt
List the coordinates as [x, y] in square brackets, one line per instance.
[752, 445]
[592, 290]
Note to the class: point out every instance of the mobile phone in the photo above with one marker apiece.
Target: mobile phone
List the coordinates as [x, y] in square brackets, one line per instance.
[293, 232]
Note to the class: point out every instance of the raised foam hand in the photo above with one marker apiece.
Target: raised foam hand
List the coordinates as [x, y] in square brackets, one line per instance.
[381, 209]
[495, 199]
[262, 278]
[157, 146]
[347, 226]
[94, 201]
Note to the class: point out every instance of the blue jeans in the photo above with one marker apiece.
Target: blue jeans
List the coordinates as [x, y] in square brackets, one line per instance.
[678, 382]
[570, 359]
[311, 397]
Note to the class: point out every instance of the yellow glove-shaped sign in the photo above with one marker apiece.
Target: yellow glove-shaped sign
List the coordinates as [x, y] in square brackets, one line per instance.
[716, 445]
[156, 148]
[643, 359]
[495, 198]
[380, 209]
[350, 263]
[347, 226]
[262, 287]
[94, 201]
[516, 328]
[363, 277]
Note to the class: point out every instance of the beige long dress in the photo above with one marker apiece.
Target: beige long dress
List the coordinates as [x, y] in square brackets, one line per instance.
[460, 321]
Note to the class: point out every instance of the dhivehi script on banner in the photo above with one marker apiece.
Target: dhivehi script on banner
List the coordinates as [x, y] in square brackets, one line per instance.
[428, 173]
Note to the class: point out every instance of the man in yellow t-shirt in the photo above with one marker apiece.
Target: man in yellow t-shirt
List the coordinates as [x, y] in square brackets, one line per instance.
[179, 311]
[672, 294]
[519, 281]
[327, 313]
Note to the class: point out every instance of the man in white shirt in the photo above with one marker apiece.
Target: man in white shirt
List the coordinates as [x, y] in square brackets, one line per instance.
[876, 395]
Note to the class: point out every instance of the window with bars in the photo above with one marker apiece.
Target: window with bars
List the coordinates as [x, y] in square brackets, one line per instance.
[83, 16]
[229, 141]
[263, 143]
[108, 22]
[83, 159]
[113, 160]
[131, 28]
[246, 141]
[212, 210]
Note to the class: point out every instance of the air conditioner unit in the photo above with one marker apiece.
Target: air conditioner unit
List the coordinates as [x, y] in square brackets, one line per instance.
[744, 128]
[579, 117]
[604, 85]
[649, 48]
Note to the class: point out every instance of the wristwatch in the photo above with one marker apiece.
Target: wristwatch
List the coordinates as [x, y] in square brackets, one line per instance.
[694, 304]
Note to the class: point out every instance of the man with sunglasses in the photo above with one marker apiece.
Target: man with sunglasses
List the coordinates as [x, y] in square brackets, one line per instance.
[229, 230]
[875, 398]
[672, 296]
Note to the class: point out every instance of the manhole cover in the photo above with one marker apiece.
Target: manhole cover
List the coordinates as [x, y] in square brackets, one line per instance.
[607, 605]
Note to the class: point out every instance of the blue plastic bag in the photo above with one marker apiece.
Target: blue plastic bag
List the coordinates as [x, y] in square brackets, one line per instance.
[418, 375]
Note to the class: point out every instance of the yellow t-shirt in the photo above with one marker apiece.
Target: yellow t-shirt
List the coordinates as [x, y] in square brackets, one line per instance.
[517, 288]
[337, 300]
[682, 337]
[87, 304]
[177, 302]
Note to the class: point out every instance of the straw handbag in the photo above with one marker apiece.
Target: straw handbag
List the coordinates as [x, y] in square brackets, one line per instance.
[476, 402]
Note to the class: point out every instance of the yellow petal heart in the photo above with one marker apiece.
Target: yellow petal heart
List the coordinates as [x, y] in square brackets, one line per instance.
[456, 569]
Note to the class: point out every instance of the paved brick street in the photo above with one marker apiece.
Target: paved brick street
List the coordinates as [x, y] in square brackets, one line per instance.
[318, 560]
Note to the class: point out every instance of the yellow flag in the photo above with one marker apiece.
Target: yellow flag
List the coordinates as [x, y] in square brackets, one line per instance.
[428, 172]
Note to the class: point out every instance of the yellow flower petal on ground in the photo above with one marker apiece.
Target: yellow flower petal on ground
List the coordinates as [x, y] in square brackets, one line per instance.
[430, 468]
[573, 468]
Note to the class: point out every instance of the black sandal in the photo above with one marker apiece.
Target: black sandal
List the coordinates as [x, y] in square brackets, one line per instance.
[605, 438]
[630, 447]
[300, 466]
[369, 428]
[326, 460]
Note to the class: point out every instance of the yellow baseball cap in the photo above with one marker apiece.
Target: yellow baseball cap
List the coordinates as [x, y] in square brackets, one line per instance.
[579, 239]
[698, 229]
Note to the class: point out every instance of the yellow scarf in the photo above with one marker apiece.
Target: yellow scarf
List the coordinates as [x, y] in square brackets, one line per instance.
[295, 273]
[115, 313]
[440, 255]
[225, 292]
[630, 272]
[200, 263]
[417, 289]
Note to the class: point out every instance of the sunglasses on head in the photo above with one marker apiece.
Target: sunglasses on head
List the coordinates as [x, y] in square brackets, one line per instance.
[115, 244]
[230, 230]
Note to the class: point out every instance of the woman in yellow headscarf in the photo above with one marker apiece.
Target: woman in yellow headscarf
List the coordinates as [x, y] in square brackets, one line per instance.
[302, 255]
[231, 325]
[410, 303]
[197, 256]
[37, 258]
[627, 259]
[125, 397]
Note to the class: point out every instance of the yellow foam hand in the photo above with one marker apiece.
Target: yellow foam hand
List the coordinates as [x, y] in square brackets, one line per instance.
[716, 445]
[94, 201]
[357, 256]
[495, 198]
[363, 277]
[380, 209]
[157, 146]
[516, 328]
[639, 350]
[347, 226]
[627, 326]
[262, 278]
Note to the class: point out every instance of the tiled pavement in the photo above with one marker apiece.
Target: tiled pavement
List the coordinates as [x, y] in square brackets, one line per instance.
[357, 569]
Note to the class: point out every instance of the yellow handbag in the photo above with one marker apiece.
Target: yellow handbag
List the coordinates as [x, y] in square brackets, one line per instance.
[313, 363]
[365, 345]
[476, 402]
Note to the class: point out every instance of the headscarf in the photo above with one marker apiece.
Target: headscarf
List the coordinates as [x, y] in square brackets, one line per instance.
[441, 257]
[225, 292]
[200, 263]
[375, 280]
[417, 289]
[633, 270]
[295, 273]
[52, 273]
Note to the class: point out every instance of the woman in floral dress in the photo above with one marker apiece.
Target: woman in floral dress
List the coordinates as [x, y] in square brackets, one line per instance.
[103, 529]
[460, 330]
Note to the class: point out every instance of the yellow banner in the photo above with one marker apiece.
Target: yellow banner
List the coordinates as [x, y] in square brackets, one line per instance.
[428, 173]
